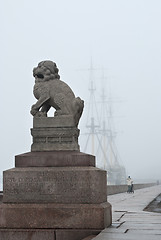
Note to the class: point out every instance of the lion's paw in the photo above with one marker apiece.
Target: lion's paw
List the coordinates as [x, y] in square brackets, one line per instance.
[41, 114]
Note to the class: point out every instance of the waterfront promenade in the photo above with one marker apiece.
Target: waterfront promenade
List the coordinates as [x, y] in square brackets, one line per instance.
[130, 222]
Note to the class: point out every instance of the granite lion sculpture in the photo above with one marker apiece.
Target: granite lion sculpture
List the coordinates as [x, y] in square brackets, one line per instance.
[50, 91]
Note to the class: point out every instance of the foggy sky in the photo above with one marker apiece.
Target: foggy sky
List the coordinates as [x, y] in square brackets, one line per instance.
[121, 36]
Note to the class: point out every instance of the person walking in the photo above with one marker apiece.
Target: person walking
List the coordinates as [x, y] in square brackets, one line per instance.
[130, 185]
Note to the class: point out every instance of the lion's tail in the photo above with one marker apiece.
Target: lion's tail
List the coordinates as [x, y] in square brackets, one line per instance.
[78, 109]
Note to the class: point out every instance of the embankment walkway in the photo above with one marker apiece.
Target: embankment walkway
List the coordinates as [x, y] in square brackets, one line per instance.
[130, 222]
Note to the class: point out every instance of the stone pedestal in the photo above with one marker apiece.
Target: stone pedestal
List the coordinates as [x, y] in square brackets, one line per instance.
[54, 159]
[54, 192]
[54, 133]
[55, 195]
[67, 185]
[54, 216]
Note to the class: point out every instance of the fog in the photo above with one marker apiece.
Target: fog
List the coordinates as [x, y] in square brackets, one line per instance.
[122, 37]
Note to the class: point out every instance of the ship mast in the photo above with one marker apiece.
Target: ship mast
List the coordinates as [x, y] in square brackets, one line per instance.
[92, 115]
[101, 133]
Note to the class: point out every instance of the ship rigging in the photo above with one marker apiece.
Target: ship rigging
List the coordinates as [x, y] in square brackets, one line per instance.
[100, 135]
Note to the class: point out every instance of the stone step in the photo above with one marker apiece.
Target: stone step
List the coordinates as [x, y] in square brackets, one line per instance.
[57, 216]
[47, 234]
[54, 159]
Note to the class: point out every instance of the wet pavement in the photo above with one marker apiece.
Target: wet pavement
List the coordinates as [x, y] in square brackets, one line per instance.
[154, 206]
[130, 221]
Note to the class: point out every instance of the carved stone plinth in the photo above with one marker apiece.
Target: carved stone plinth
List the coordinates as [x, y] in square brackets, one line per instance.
[49, 135]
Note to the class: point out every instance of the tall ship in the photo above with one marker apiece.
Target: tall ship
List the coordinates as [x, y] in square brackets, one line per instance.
[99, 138]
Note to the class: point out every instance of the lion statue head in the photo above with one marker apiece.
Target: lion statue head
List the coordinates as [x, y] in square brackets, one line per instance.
[45, 71]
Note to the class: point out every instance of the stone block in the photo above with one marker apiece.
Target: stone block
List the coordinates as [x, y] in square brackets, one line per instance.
[54, 159]
[56, 146]
[55, 216]
[76, 234]
[55, 184]
[53, 122]
[27, 234]
[51, 139]
[89, 237]
[46, 234]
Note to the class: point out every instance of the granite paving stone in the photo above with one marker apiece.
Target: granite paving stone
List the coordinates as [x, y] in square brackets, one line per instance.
[130, 221]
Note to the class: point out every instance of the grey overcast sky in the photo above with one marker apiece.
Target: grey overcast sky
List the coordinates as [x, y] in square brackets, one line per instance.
[121, 36]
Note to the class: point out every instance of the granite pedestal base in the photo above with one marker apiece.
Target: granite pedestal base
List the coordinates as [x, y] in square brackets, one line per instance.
[54, 159]
[57, 195]
[55, 184]
[47, 234]
[55, 216]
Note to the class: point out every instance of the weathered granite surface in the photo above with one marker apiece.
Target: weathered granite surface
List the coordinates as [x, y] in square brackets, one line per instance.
[55, 138]
[27, 234]
[55, 159]
[55, 184]
[47, 234]
[54, 133]
[55, 216]
[75, 234]
[53, 122]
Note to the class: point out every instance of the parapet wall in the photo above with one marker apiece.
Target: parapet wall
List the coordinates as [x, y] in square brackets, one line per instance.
[114, 189]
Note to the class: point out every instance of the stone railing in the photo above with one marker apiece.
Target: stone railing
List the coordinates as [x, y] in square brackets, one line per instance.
[114, 189]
